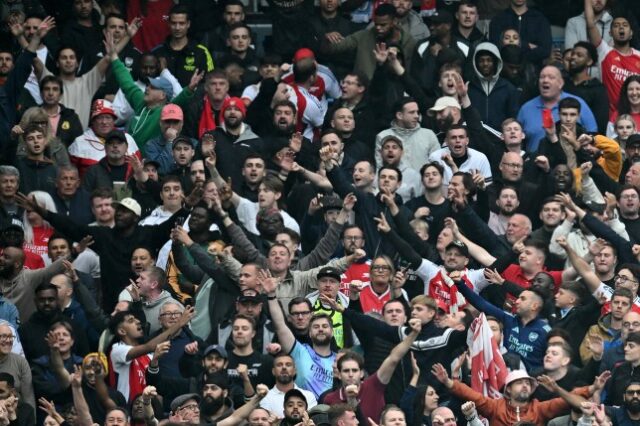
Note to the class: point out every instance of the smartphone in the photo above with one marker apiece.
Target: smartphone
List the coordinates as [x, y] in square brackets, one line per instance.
[547, 118]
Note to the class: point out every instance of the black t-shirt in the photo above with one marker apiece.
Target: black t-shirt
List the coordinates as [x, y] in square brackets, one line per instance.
[259, 368]
[437, 216]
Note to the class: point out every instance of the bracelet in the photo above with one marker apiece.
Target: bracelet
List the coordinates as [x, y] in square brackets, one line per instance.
[272, 297]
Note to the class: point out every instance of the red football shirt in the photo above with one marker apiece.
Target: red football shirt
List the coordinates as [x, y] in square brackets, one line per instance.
[615, 68]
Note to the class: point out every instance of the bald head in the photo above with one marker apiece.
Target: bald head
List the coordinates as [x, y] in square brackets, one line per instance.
[630, 323]
[519, 226]
[633, 175]
[550, 83]
[446, 416]
[12, 261]
[511, 167]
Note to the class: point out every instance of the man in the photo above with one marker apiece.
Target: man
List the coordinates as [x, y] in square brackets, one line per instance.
[352, 240]
[409, 20]
[385, 30]
[186, 408]
[368, 394]
[533, 26]
[150, 291]
[169, 314]
[495, 98]
[343, 415]
[466, 29]
[576, 29]
[249, 303]
[88, 148]
[183, 56]
[583, 57]
[70, 198]
[310, 110]
[284, 371]
[216, 38]
[458, 154]
[628, 207]
[10, 213]
[354, 88]
[299, 317]
[392, 151]
[550, 84]
[240, 49]
[433, 198]
[63, 120]
[507, 202]
[171, 195]
[519, 388]
[25, 400]
[617, 62]
[160, 149]
[83, 32]
[629, 413]
[203, 114]
[112, 171]
[418, 143]
[102, 208]
[552, 214]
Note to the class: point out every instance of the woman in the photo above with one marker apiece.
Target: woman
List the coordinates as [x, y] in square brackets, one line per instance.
[626, 372]
[629, 102]
[418, 403]
[382, 285]
[37, 231]
[15, 365]
[55, 150]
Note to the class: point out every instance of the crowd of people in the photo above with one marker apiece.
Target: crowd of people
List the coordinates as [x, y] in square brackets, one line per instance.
[382, 213]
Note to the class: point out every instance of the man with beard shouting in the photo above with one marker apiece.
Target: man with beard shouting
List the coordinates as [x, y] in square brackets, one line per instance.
[284, 370]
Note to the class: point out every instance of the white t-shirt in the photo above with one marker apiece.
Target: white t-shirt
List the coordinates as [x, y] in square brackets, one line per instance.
[274, 400]
[122, 366]
[247, 212]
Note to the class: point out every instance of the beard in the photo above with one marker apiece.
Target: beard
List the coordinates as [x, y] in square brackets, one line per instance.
[209, 405]
[633, 406]
[321, 340]
[521, 397]
[5, 272]
[445, 123]
[285, 379]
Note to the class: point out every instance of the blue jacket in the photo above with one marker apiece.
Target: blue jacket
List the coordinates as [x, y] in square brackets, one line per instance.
[533, 28]
[158, 149]
[529, 341]
[9, 94]
[9, 312]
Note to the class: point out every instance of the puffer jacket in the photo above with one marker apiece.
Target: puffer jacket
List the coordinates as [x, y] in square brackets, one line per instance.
[495, 98]
[418, 143]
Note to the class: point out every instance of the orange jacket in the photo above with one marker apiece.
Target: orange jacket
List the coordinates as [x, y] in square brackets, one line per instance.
[611, 159]
[500, 413]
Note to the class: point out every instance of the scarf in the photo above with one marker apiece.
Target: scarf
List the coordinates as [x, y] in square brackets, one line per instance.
[206, 118]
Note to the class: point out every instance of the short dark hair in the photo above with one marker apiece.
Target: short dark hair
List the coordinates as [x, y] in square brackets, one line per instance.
[52, 79]
[338, 410]
[400, 103]
[590, 48]
[6, 377]
[295, 237]
[457, 127]
[169, 179]
[101, 193]
[66, 47]
[44, 287]
[234, 3]
[623, 292]
[569, 102]
[394, 168]
[297, 301]
[351, 356]
[245, 317]
[180, 9]
[33, 128]
[433, 164]
[321, 316]
[331, 131]
[58, 236]
[273, 183]
[239, 25]
[363, 80]
[285, 103]
[510, 187]
[303, 70]
[116, 16]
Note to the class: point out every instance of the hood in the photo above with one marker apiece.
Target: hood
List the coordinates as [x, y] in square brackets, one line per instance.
[164, 296]
[493, 50]
[401, 132]
[314, 296]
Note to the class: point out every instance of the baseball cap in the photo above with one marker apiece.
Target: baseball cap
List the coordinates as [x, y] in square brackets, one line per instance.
[249, 296]
[329, 271]
[130, 204]
[295, 392]
[329, 202]
[216, 348]
[442, 103]
[441, 17]
[163, 84]
[171, 112]
[115, 135]
[304, 53]
[179, 400]
[596, 207]
[102, 106]
[146, 161]
[460, 246]
[182, 139]
[633, 140]
[320, 415]
[392, 138]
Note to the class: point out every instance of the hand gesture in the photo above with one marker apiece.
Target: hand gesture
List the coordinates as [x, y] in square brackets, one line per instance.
[16, 25]
[493, 276]
[585, 168]
[585, 139]
[469, 409]
[187, 315]
[327, 301]
[16, 131]
[4, 414]
[134, 161]
[110, 47]
[399, 279]
[599, 413]
[518, 246]
[261, 390]
[268, 283]
[357, 255]
[196, 78]
[134, 290]
[611, 202]
[70, 270]
[462, 88]
[148, 394]
[383, 225]
[355, 287]
[225, 193]
[195, 196]
[415, 325]
[542, 162]
[451, 223]
[562, 242]
[566, 200]
[334, 37]
[52, 341]
[85, 242]
[134, 26]
[180, 235]
[49, 408]
[191, 348]
[587, 408]
[381, 53]
[478, 179]
[76, 377]
[636, 250]
[422, 212]
[414, 365]
[45, 26]
[349, 202]
[326, 154]
[440, 373]
[273, 348]
[352, 391]
[208, 147]
[548, 383]
[314, 205]
[29, 204]
[448, 160]
[161, 349]
[569, 135]
[601, 380]
[243, 371]
[295, 142]
[371, 422]
[596, 246]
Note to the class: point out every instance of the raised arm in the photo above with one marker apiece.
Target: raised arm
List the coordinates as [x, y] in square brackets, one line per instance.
[151, 345]
[385, 371]
[481, 255]
[285, 335]
[79, 402]
[478, 302]
[592, 30]
[242, 413]
[580, 266]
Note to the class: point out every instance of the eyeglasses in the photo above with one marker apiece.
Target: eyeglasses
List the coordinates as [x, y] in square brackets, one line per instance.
[515, 166]
[632, 392]
[624, 279]
[627, 324]
[190, 407]
[171, 314]
[380, 267]
[300, 314]
[629, 197]
[4, 337]
[352, 238]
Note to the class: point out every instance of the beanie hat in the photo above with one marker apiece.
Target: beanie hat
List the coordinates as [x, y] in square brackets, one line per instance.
[233, 101]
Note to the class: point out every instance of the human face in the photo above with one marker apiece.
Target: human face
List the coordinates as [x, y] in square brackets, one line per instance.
[102, 209]
[564, 299]
[148, 66]
[31, 27]
[394, 417]
[508, 201]
[299, 316]
[517, 227]
[350, 373]
[9, 261]
[550, 83]
[116, 27]
[284, 370]
[455, 260]
[233, 14]
[293, 408]
[579, 59]
[170, 128]
[116, 418]
[251, 309]
[521, 390]
[457, 141]
[352, 239]
[598, 5]
[555, 358]
[169, 315]
[363, 175]
[349, 418]
[248, 278]
[629, 203]
[90, 368]
[569, 117]
[141, 260]
[453, 320]
[36, 143]
[381, 271]
[624, 129]
[50, 421]
[525, 303]
[6, 63]
[239, 40]
[496, 331]
[182, 154]
[626, 280]
[58, 247]
[124, 217]
[171, 195]
[82, 8]
[8, 186]
[422, 312]
[552, 214]
[253, 170]
[197, 173]
[630, 323]
[444, 238]
[283, 117]
[51, 93]
[68, 183]
[632, 352]
[116, 151]
[343, 121]
[232, 117]
[267, 198]
[394, 314]
[391, 153]
[467, 16]
[443, 416]
[486, 65]
[217, 88]
[633, 94]
[189, 412]
[179, 25]
[531, 259]
[431, 399]
[511, 38]
[259, 417]
[279, 259]
[431, 178]
[621, 31]
[320, 332]
[6, 341]
[383, 26]
[409, 116]
[332, 141]
[242, 332]
[351, 88]
[63, 338]
[619, 307]
[67, 62]
[388, 179]
[447, 82]
[513, 136]
[213, 363]
[47, 302]
[605, 261]
[146, 284]
[633, 175]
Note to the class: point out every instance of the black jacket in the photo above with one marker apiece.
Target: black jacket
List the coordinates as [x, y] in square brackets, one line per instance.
[595, 95]
[182, 63]
[33, 333]
[69, 126]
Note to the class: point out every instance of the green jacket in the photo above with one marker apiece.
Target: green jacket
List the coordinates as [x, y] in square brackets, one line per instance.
[146, 124]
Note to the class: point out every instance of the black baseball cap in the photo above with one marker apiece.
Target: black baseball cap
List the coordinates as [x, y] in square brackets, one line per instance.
[460, 246]
[329, 271]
